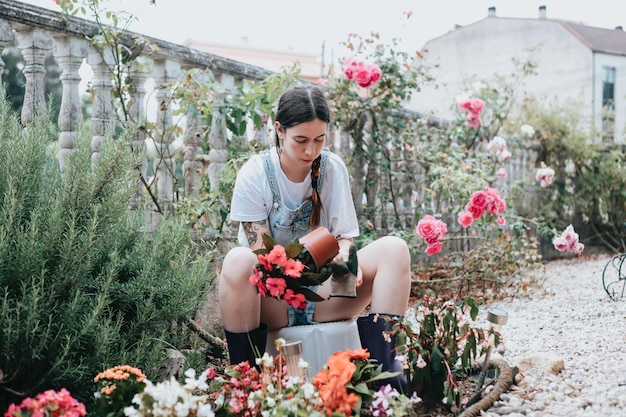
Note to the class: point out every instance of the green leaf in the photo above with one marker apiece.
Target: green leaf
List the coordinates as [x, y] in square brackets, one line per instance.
[353, 260]
[268, 241]
[311, 295]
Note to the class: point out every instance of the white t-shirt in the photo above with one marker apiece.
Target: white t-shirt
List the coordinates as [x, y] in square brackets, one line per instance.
[252, 196]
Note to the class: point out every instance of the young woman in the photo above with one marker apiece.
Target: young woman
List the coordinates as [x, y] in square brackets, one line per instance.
[287, 191]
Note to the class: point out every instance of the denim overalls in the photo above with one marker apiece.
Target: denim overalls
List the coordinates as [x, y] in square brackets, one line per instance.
[287, 225]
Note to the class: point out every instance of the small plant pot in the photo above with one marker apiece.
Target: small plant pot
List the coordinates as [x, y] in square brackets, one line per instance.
[321, 245]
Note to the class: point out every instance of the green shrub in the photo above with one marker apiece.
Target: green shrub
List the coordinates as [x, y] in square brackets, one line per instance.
[85, 284]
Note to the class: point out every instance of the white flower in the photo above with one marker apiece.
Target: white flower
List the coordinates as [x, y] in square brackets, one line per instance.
[497, 144]
[527, 130]
[266, 361]
[309, 390]
[544, 176]
[421, 363]
[303, 364]
[478, 86]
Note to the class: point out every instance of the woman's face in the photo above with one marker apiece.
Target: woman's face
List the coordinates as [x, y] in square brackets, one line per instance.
[301, 144]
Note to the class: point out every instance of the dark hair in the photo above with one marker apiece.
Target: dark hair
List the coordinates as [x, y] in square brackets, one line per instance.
[298, 105]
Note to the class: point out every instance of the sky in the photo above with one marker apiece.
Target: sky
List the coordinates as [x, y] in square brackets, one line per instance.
[307, 27]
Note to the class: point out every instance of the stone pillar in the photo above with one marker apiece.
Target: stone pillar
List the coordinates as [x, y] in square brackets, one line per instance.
[218, 156]
[6, 34]
[69, 53]
[102, 121]
[137, 113]
[34, 45]
[164, 72]
[192, 167]
[262, 135]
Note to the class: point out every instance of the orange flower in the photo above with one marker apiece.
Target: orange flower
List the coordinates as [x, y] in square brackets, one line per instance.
[120, 373]
[331, 382]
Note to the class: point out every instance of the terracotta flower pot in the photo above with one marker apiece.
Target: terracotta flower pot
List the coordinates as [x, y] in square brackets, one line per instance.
[322, 245]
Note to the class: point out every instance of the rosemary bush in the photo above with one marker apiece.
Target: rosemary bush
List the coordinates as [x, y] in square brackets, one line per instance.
[84, 283]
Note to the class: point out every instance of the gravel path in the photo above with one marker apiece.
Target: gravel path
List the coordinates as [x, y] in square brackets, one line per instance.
[568, 317]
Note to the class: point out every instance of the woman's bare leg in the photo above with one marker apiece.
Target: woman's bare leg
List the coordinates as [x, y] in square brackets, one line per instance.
[241, 307]
[386, 267]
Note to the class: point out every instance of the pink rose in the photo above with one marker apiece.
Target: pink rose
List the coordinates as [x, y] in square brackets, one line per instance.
[433, 248]
[465, 219]
[375, 73]
[504, 155]
[568, 241]
[501, 221]
[431, 229]
[366, 75]
[478, 203]
[472, 105]
[544, 176]
[473, 120]
[579, 248]
[495, 203]
[497, 144]
[348, 67]
[502, 173]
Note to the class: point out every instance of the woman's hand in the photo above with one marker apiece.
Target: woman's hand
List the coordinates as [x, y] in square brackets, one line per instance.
[359, 277]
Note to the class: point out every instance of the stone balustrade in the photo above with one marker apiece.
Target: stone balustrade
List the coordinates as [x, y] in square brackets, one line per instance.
[39, 32]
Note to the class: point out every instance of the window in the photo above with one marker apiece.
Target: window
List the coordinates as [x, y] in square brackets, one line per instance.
[608, 103]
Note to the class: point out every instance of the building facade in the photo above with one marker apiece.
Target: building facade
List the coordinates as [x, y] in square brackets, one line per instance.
[311, 65]
[576, 63]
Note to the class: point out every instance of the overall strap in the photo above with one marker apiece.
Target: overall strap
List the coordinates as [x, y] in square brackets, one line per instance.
[271, 177]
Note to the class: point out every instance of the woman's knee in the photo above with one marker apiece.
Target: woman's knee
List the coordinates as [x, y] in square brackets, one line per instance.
[393, 249]
[237, 265]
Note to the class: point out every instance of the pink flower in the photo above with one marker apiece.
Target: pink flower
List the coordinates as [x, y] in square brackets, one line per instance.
[257, 279]
[495, 203]
[348, 67]
[409, 14]
[568, 241]
[276, 286]
[544, 176]
[433, 248]
[473, 120]
[496, 145]
[465, 219]
[479, 201]
[431, 229]
[293, 268]
[473, 106]
[295, 300]
[277, 256]
[502, 173]
[501, 221]
[504, 156]
[50, 403]
[365, 75]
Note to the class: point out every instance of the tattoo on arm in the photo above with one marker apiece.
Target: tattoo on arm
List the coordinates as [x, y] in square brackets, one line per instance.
[254, 231]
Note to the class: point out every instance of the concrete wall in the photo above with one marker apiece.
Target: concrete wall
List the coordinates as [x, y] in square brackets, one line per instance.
[566, 66]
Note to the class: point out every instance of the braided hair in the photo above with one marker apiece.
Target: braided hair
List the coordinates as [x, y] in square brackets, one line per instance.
[298, 105]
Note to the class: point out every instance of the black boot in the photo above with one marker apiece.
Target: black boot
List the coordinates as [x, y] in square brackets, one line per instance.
[246, 346]
[371, 329]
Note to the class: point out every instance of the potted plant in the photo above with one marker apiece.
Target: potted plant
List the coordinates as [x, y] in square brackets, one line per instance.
[437, 341]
